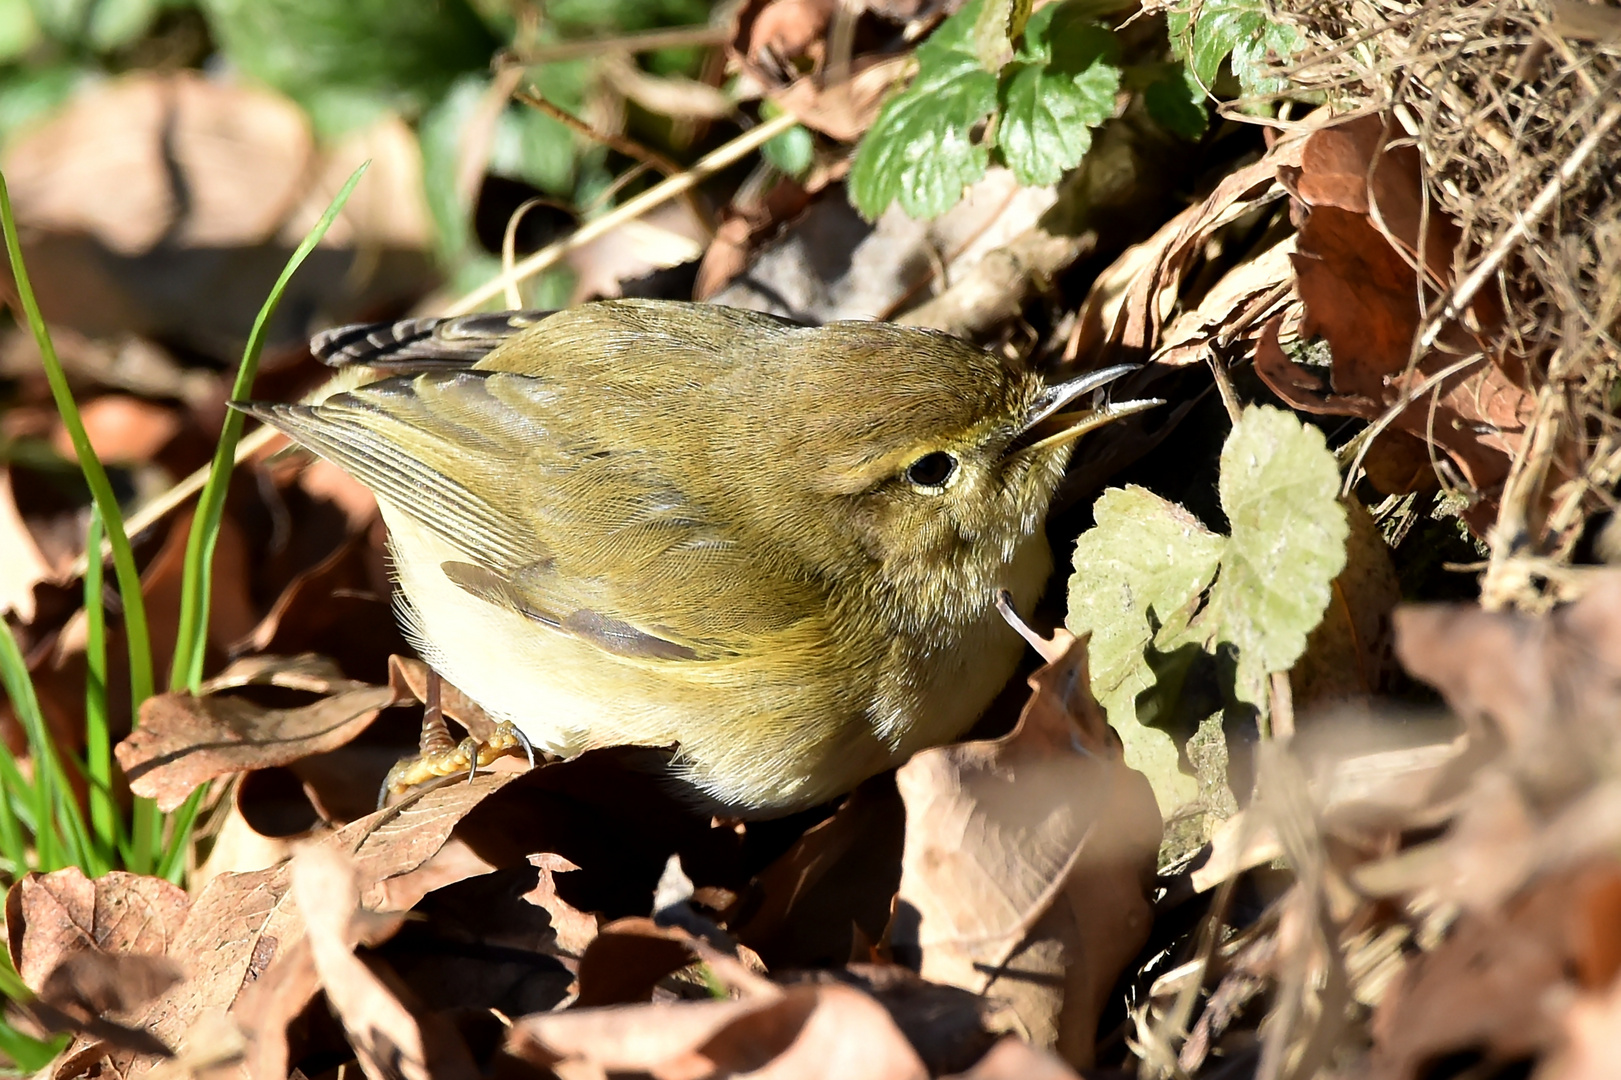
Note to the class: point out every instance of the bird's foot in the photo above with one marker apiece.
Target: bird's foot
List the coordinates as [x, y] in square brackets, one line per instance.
[438, 755]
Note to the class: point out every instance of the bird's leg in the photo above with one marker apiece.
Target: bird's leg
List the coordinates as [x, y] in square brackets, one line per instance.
[439, 755]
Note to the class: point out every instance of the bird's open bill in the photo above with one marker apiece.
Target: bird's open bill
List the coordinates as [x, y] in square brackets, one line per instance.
[1052, 423]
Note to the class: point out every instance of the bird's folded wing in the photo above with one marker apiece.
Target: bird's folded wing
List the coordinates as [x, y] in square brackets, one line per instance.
[588, 540]
[412, 345]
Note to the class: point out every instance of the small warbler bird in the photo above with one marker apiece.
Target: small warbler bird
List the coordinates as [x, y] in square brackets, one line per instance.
[774, 547]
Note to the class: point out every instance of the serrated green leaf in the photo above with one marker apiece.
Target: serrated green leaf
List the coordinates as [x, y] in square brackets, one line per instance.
[1138, 577]
[1206, 32]
[1177, 103]
[921, 149]
[1254, 58]
[1280, 490]
[1049, 109]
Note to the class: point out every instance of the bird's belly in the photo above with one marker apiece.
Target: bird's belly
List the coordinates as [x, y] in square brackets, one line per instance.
[758, 735]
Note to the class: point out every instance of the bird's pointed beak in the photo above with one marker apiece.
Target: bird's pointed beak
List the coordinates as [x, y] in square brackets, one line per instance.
[1058, 415]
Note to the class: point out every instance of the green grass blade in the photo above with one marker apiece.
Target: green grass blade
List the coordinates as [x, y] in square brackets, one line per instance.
[29, 1054]
[13, 848]
[98, 756]
[173, 864]
[20, 689]
[192, 638]
[101, 489]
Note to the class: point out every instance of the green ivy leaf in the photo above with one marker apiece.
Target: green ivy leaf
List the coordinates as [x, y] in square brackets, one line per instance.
[921, 150]
[1185, 622]
[1280, 490]
[1052, 101]
[1139, 575]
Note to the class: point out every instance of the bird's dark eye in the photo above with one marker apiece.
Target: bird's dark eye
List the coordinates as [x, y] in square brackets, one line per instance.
[931, 470]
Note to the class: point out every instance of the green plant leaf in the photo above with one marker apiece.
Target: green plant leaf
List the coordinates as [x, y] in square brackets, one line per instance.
[1279, 488]
[1177, 103]
[1186, 624]
[997, 31]
[1206, 32]
[1139, 575]
[792, 152]
[1051, 102]
[407, 52]
[921, 150]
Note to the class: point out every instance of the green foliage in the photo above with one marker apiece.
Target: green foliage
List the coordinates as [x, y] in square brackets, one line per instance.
[1243, 32]
[997, 30]
[792, 152]
[934, 138]
[1186, 623]
[333, 57]
[96, 25]
[1060, 86]
[1176, 101]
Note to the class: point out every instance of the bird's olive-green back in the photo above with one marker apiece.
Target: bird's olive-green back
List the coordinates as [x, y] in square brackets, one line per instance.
[701, 473]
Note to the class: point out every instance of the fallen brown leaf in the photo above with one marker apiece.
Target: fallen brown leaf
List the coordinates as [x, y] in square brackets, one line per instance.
[1497, 982]
[389, 1038]
[1027, 859]
[1015, 1059]
[241, 924]
[1544, 688]
[804, 1032]
[1363, 236]
[51, 917]
[122, 428]
[185, 740]
[22, 564]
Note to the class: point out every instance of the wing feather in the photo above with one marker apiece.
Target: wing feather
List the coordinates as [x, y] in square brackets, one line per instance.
[582, 532]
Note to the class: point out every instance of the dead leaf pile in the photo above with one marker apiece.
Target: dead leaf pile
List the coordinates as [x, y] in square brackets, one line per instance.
[1455, 891]
[579, 917]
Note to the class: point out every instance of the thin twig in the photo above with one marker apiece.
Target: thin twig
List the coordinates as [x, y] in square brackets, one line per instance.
[1499, 251]
[662, 192]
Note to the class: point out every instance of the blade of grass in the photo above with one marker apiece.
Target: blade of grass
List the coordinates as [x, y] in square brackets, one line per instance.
[13, 849]
[49, 850]
[98, 748]
[173, 864]
[192, 637]
[29, 1053]
[101, 489]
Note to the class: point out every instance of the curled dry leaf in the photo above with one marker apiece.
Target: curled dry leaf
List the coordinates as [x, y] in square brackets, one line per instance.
[241, 924]
[1498, 982]
[390, 1038]
[1027, 859]
[1126, 314]
[185, 740]
[802, 1033]
[1359, 246]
